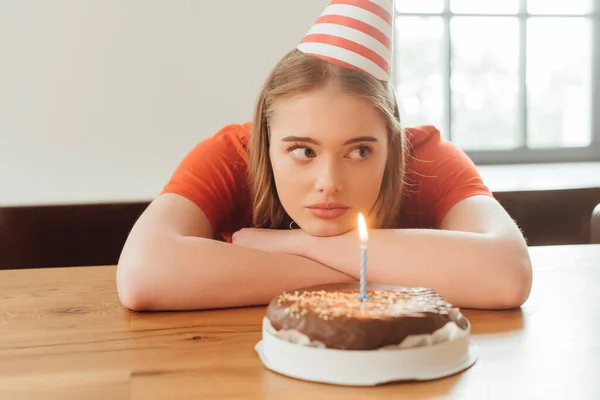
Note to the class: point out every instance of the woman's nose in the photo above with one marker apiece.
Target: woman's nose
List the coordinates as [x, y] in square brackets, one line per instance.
[329, 177]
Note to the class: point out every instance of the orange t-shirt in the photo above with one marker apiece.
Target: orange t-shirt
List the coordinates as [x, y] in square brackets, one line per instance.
[214, 176]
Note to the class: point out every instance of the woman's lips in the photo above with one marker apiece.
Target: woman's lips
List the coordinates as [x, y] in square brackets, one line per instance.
[328, 213]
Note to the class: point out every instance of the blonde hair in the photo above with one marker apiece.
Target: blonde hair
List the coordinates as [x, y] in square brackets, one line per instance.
[297, 73]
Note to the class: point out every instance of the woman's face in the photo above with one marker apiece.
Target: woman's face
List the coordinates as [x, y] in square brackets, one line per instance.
[328, 151]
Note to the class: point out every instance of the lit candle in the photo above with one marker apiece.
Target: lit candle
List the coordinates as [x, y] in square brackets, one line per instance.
[364, 237]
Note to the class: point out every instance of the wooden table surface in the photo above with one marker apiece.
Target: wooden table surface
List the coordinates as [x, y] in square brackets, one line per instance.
[64, 335]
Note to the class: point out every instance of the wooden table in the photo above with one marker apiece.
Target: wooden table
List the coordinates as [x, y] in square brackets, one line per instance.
[64, 335]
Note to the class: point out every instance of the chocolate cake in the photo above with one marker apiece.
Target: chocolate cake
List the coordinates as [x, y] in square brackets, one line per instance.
[335, 316]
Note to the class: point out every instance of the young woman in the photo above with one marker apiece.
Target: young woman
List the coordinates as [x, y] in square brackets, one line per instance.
[284, 191]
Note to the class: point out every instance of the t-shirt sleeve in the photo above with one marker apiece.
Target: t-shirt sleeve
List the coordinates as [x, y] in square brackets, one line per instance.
[213, 175]
[447, 176]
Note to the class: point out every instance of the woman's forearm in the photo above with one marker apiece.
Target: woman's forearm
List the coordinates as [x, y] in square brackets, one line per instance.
[469, 269]
[186, 273]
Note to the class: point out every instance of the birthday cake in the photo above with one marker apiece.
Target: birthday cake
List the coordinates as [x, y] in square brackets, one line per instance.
[334, 317]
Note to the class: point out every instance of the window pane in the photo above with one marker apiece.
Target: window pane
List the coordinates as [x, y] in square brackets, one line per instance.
[420, 6]
[559, 82]
[559, 6]
[419, 71]
[484, 6]
[485, 82]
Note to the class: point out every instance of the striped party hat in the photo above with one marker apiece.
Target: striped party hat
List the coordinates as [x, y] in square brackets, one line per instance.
[354, 34]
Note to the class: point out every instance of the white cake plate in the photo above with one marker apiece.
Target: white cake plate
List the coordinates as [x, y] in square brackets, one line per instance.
[366, 368]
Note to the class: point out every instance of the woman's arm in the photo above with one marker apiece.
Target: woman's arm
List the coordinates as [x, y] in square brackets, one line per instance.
[478, 259]
[168, 263]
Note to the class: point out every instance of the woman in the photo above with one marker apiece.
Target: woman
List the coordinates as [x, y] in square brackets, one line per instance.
[284, 192]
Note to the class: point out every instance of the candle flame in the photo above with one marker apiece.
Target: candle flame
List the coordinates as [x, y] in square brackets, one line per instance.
[362, 228]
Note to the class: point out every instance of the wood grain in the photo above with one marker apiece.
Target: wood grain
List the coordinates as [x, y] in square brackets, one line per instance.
[64, 334]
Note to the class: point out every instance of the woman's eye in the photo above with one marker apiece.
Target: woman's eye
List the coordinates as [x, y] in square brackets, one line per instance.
[303, 153]
[360, 153]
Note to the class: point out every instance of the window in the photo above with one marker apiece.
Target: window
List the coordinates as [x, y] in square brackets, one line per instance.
[508, 81]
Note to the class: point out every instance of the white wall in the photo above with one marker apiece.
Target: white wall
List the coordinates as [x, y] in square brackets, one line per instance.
[101, 99]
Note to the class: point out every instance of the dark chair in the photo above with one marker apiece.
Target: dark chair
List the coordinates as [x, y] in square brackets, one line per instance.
[595, 226]
[552, 217]
[65, 235]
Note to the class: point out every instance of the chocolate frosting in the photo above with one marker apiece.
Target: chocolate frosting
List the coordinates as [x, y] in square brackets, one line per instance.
[335, 316]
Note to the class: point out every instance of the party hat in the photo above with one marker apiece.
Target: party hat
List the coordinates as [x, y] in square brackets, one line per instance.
[354, 34]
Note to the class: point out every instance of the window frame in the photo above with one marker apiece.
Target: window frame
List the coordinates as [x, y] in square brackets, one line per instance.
[523, 155]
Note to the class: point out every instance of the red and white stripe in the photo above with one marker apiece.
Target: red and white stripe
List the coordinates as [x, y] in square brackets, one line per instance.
[354, 34]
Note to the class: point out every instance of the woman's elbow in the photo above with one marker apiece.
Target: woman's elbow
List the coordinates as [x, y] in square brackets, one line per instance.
[132, 288]
[518, 282]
